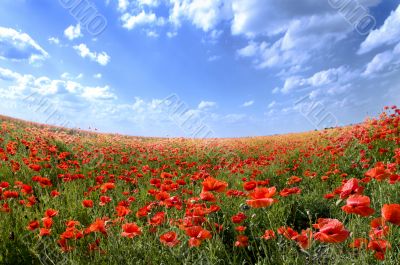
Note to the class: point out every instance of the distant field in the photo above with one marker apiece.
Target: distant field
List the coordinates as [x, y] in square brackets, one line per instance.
[323, 197]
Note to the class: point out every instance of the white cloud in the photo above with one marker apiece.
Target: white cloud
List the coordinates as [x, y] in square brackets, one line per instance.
[54, 40]
[206, 105]
[301, 40]
[291, 83]
[276, 90]
[272, 104]
[384, 62]
[8, 75]
[123, 5]
[152, 3]
[101, 58]
[68, 76]
[97, 76]
[19, 46]
[152, 34]
[248, 103]
[251, 49]
[204, 14]
[270, 17]
[234, 118]
[172, 34]
[24, 84]
[97, 93]
[388, 33]
[73, 32]
[332, 76]
[143, 18]
[46, 86]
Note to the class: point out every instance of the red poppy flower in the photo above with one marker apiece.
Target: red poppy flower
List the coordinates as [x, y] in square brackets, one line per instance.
[131, 230]
[99, 225]
[207, 196]
[33, 225]
[391, 213]
[8, 194]
[242, 241]
[262, 197]
[379, 172]
[169, 239]
[294, 179]
[26, 189]
[87, 203]
[251, 185]
[51, 213]
[107, 186]
[122, 211]
[268, 234]
[197, 234]
[359, 243]
[45, 232]
[240, 217]
[350, 187]
[157, 219]
[35, 167]
[240, 228]
[104, 200]
[4, 185]
[287, 232]
[166, 175]
[379, 228]
[161, 196]
[304, 239]
[379, 246]
[212, 184]
[288, 191]
[47, 222]
[397, 155]
[5, 208]
[330, 231]
[54, 193]
[358, 204]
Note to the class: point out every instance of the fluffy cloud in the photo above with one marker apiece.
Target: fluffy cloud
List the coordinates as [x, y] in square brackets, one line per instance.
[152, 3]
[248, 103]
[206, 105]
[54, 40]
[301, 40]
[325, 78]
[123, 5]
[101, 58]
[204, 14]
[19, 46]
[73, 32]
[8, 75]
[272, 104]
[384, 62]
[233, 118]
[21, 84]
[388, 33]
[143, 18]
[270, 17]
[97, 93]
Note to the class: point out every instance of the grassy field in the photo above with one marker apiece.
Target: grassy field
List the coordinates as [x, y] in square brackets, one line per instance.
[323, 197]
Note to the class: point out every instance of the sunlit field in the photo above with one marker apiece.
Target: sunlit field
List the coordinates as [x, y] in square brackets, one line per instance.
[323, 197]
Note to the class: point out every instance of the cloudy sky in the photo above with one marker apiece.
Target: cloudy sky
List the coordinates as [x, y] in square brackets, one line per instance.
[170, 67]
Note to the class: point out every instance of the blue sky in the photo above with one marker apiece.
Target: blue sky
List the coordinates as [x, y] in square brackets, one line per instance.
[240, 67]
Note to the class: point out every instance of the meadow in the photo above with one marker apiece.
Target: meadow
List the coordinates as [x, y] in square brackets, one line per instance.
[321, 197]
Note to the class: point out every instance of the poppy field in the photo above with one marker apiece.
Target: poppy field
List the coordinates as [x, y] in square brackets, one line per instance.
[321, 197]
